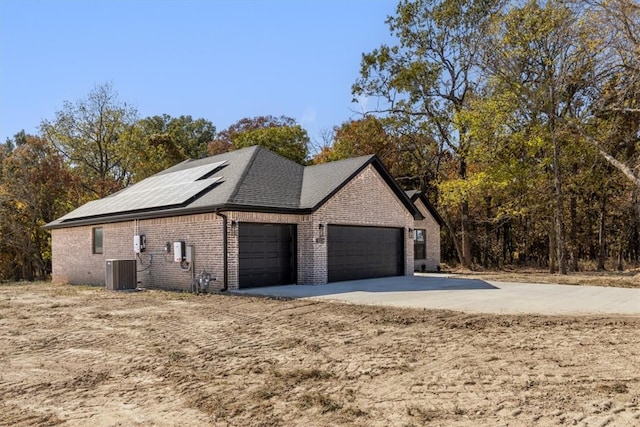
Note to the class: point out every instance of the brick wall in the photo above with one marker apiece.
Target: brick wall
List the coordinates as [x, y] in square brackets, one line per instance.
[432, 228]
[365, 200]
[74, 262]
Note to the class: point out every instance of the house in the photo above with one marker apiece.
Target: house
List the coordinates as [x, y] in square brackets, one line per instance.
[242, 219]
[426, 234]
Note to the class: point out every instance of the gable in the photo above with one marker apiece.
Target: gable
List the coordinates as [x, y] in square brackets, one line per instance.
[366, 199]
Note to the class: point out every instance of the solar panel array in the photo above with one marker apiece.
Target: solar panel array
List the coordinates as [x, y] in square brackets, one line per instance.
[165, 190]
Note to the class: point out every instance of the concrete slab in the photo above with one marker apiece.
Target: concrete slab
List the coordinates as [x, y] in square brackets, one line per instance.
[467, 295]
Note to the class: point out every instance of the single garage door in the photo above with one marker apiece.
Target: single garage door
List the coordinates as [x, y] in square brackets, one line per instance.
[364, 252]
[267, 254]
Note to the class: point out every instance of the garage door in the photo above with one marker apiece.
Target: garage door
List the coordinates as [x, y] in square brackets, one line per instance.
[364, 252]
[267, 254]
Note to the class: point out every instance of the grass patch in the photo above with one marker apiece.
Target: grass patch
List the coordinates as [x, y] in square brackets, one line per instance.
[175, 356]
[322, 401]
[617, 387]
[300, 375]
[264, 393]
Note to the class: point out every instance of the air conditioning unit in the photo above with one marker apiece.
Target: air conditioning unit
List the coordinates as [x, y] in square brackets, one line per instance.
[121, 274]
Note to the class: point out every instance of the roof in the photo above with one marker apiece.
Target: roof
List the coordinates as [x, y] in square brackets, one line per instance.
[415, 195]
[249, 179]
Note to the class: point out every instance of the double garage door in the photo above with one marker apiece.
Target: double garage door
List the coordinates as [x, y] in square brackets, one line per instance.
[364, 252]
[268, 253]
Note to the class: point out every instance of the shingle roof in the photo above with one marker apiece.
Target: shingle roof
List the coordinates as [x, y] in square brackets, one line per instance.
[250, 179]
[320, 181]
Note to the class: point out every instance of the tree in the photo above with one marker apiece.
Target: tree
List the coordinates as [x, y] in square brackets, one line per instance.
[427, 78]
[358, 138]
[88, 134]
[536, 54]
[279, 134]
[288, 141]
[35, 187]
[612, 117]
[158, 142]
[402, 152]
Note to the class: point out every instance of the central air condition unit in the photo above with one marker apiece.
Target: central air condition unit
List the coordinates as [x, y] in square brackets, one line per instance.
[121, 274]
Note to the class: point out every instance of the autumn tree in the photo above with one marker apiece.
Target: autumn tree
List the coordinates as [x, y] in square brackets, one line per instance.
[427, 78]
[35, 187]
[535, 53]
[611, 120]
[409, 158]
[88, 134]
[358, 138]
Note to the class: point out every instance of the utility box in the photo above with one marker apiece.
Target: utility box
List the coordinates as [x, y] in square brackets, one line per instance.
[179, 251]
[121, 274]
[139, 243]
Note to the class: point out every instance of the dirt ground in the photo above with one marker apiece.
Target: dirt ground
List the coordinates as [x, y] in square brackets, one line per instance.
[82, 356]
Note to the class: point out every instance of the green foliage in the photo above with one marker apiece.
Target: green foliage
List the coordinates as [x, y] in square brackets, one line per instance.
[506, 106]
[281, 135]
[288, 141]
[158, 142]
[88, 134]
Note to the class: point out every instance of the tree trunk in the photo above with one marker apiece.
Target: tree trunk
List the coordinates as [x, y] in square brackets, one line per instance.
[557, 184]
[602, 242]
[634, 247]
[573, 233]
[464, 222]
[620, 266]
[552, 251]
[452, 233]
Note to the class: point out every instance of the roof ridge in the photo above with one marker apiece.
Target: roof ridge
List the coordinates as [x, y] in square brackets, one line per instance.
[333, 162]
[244, 174]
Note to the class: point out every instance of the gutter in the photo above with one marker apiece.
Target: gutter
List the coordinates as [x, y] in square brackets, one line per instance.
[225, 250]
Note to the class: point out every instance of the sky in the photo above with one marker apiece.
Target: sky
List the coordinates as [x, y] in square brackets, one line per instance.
[220, 60]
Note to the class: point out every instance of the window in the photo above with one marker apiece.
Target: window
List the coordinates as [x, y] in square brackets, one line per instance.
[97, 240]
[419, 244]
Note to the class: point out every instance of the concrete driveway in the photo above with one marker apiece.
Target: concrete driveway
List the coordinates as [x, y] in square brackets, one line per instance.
[467, 295]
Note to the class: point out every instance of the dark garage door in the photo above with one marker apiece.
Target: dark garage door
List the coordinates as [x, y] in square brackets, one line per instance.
[364, 252]
[267, 254]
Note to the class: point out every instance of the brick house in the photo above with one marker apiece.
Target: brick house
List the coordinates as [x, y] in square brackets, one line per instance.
[245, 218]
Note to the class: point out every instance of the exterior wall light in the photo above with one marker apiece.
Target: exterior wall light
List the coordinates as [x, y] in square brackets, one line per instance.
[320, 238]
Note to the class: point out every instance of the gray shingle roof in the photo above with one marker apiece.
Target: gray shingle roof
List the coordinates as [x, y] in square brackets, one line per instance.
[252, 178]
[321, 180]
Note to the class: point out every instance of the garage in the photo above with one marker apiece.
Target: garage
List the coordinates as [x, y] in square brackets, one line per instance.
[355, 252]
[267, 254]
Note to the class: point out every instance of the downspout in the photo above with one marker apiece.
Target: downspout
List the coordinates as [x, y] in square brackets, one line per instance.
[225, 251]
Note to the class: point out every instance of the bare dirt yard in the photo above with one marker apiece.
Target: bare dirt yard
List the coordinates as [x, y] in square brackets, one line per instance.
[80, 356]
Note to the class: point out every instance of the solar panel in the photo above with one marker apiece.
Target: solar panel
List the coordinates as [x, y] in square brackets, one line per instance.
[164, 190]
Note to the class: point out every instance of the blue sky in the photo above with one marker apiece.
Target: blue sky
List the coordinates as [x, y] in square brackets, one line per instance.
[219, 60]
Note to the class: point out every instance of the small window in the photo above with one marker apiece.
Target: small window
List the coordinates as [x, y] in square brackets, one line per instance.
[97, 240]
[419, 244]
